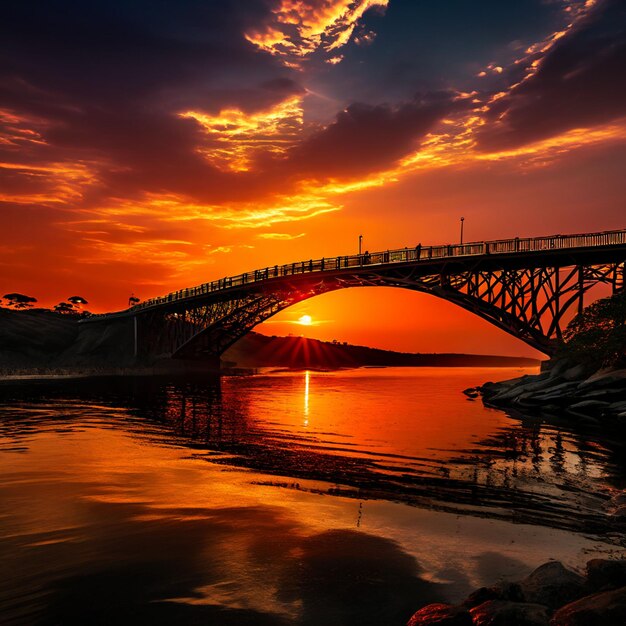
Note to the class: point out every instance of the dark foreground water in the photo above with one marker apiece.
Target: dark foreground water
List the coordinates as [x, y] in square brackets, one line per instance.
[310, 498]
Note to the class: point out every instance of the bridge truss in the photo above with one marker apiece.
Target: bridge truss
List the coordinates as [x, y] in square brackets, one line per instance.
[529, 288]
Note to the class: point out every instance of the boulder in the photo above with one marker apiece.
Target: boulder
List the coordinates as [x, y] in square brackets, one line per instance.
[585, 420]
[608, 394]
[592, 406]
[601, 609]
[484, 594]
[552, 585]
[503, 591]
[606, 575]
[605, 378]
[577, 372]
[560, 392]
[547, 383]
[503, 613]
[619, 498]
[441, 615]
[511, 392]
[472, 392]
[619, 512]
[556, 366]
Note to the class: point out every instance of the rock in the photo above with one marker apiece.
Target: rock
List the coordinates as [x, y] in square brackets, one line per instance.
[605, 378]
[606, 575]
[441, 615]
[481, 595]
[592, 406]
[504, 591]
[558, 393]
[619, 498]
[603, 394]
[578, 372]
[601, 609]
[553, 585]
[551, 408]
[512, 392]
[503, 613]
[472, 392]
[547, 383]
[585, 420]
[554, 367]
[619, 512]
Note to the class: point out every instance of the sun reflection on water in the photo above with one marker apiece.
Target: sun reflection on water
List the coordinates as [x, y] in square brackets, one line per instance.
[307, 375]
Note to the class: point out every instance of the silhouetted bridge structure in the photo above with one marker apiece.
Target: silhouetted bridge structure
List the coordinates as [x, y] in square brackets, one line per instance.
[528, 287]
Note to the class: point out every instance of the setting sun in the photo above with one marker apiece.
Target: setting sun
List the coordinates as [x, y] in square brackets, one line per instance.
[305, 320]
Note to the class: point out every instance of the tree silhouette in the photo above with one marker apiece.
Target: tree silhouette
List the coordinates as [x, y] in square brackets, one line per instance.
[65, 308]
[18, 300]
[77, 300]
[597, 336]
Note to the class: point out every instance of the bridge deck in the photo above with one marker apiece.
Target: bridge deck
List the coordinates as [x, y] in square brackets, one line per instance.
[520, 248]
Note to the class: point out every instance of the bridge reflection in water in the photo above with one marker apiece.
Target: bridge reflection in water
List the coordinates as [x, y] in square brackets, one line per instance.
[507, 469]
[322, 432]
[528, 287]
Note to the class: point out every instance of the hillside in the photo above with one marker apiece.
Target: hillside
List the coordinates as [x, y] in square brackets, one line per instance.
[256, 350]
[34, 338]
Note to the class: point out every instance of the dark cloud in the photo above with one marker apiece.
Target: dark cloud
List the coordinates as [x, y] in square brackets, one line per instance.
[579, 83]
[103, 82]
[366, 138]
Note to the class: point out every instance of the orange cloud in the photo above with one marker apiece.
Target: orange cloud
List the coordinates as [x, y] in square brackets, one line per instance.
[300, 28]
[236, 138]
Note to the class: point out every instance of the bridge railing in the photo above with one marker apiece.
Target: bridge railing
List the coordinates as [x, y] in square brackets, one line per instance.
[402, 255]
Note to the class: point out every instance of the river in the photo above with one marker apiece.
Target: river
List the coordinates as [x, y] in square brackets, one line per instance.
[291, 498]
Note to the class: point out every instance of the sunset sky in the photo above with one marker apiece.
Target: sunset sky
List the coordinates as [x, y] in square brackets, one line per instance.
[149, 146]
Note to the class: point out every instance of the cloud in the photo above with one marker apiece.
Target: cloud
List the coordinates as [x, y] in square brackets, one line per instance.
[577, 83]
[101, 85]
[365, 138]
[280, 236]
[299, 28]
[234, 139]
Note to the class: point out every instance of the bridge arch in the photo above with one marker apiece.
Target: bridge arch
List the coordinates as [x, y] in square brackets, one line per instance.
[526, 287]
[528, 303]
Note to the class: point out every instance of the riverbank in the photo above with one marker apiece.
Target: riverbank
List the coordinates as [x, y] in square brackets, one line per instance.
[552, 595]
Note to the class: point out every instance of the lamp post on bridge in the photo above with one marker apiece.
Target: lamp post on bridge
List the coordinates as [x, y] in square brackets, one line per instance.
[462, 221]
[360, 244]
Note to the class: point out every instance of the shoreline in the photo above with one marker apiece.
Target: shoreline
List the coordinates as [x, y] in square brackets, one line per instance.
[562, 390]
[70, 373]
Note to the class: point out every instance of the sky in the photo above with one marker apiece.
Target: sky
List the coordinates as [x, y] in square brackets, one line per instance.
[147, 146]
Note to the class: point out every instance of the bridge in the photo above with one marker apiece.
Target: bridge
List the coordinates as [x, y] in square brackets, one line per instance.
[528, 287]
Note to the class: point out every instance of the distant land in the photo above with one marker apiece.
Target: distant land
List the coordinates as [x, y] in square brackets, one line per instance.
[256, 350]
[39, 340]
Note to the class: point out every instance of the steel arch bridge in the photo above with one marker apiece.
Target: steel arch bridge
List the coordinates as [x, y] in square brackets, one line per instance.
[528, 287]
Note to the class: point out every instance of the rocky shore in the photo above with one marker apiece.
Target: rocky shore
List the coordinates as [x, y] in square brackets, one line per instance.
[552, 595]
[564, 390]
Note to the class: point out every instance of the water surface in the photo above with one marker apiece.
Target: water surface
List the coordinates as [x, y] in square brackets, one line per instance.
[348, 497]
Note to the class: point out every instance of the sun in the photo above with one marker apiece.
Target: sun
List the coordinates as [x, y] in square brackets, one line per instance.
[305, 320]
